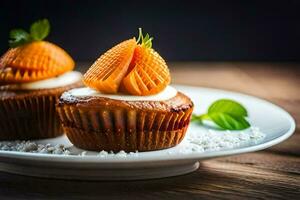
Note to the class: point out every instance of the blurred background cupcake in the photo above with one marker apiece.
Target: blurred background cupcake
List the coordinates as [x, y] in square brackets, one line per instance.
[33, 74]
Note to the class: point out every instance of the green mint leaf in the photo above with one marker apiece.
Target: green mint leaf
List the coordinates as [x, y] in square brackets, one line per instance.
[200, 118]
[229, 107]
[40, 29]
[226, 114]
[18, 37]
[229, 122]
[195, 118]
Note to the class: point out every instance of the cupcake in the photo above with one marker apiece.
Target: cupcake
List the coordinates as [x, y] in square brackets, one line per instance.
[33, 74]
[127, 103]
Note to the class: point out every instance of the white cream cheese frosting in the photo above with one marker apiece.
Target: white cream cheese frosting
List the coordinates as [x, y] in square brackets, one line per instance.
[168, 93]
[65, 79]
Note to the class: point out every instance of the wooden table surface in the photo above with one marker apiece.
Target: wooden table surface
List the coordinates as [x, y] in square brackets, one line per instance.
[273, 173]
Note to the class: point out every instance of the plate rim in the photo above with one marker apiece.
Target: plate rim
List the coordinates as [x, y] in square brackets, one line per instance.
[26, 156]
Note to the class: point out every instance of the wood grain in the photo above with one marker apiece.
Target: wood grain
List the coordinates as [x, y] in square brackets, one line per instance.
[270, 174]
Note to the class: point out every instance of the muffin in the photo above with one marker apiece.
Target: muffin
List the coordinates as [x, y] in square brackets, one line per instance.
[127, 103]
[33, 74]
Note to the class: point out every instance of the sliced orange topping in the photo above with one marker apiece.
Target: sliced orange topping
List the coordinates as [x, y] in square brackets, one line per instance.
[149, 74]
[131, 68]
[34, 61]
[108, 71]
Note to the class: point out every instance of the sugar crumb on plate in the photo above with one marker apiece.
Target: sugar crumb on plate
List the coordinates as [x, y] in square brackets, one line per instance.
[198, 140]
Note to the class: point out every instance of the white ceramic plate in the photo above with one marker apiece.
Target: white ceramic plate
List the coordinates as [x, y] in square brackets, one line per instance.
[273, 121]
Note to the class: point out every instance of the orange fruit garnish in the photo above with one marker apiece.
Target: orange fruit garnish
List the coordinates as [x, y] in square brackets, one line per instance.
[129, 67]
[149, 74]
[34, 61]
[108, 71]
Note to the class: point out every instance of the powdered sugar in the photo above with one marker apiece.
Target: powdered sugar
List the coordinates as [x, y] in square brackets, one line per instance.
[201, 139]
[102, 154]
[33, 147]
[197, 140]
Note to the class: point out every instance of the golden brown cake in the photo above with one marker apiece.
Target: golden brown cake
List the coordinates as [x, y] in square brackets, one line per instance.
[96, 122]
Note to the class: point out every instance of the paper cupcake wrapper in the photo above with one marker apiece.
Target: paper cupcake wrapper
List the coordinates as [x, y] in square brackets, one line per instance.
[32, 116]
[120, 129]
[29, 118]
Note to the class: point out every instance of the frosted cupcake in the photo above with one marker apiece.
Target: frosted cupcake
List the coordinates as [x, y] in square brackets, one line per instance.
[127, 104]
[33, 74]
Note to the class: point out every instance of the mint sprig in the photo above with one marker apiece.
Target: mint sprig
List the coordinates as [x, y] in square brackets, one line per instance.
[18, 37]
[226, 114]
[39, 30]
[144, 41]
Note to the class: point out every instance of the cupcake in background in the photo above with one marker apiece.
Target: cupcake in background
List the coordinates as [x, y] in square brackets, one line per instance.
[33, 74]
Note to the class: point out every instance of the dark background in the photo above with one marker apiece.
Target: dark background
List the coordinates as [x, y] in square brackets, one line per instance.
[183, 30]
